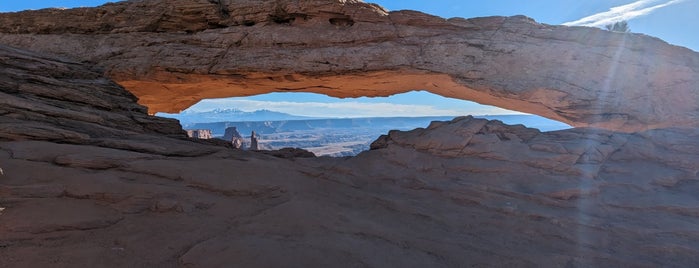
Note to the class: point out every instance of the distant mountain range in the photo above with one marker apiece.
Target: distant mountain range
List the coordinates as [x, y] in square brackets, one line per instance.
[188, 118]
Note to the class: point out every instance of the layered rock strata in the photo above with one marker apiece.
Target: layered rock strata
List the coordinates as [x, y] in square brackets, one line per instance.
[467, 192]
[66, 102]
[172, 54]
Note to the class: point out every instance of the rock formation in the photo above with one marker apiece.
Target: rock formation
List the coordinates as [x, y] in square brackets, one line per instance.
[254, 145]
[172, 54]
[90, 180]
[201, 134]
[231, 134]
[63, 101]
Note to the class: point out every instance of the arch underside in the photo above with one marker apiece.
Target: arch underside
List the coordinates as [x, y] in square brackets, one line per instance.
[370, 84]
[584, 77]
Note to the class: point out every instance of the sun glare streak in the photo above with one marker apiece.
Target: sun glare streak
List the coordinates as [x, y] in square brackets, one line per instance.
[585, 205]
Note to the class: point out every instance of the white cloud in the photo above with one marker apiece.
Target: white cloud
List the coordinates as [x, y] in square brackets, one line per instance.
[623, 12]
[344, 109]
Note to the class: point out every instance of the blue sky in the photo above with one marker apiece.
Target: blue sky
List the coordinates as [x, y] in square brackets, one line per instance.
[674, 21]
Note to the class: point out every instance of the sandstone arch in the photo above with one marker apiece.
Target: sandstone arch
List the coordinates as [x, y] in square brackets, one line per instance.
[173, 53]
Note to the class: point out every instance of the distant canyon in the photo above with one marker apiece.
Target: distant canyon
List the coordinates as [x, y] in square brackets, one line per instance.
[336, 137]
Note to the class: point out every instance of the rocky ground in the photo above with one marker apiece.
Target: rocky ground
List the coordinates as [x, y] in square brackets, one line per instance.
[80, 192]
[90, 180]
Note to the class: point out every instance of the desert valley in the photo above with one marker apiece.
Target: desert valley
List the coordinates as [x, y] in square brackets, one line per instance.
[335, 137]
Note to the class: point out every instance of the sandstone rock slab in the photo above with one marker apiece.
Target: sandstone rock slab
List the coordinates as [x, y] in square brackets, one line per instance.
[68, 215]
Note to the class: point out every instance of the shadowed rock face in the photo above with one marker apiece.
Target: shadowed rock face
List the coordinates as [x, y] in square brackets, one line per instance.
[467, 192]
[172, 54]
[39, 93]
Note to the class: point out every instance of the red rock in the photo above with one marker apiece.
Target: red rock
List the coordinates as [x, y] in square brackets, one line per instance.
[171, 54]
[90, 180]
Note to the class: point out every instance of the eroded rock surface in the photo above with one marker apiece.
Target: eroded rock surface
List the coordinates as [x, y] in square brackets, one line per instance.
[467, 192]
[35, 89]
[172, 54]
[90, 180]
[65, 102]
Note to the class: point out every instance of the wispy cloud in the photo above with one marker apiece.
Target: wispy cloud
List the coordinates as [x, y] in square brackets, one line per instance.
[344, 109]
[623, 12]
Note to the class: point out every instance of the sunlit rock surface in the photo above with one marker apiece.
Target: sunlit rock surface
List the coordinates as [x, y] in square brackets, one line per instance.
[89, 180]
[172, 54]
[202, 134]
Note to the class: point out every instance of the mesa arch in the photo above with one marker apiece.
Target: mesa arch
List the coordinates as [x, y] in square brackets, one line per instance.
[173, 53]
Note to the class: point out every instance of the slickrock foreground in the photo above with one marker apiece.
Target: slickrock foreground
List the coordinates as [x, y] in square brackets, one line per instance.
[83, 192]
[90, 180]
[174, 53]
